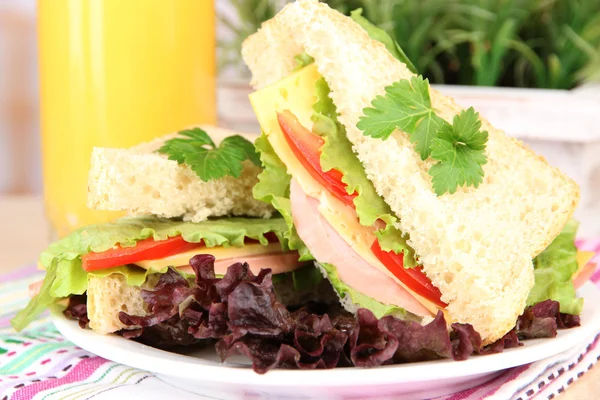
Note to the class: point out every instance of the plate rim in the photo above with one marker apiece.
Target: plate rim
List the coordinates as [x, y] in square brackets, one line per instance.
[118, 349]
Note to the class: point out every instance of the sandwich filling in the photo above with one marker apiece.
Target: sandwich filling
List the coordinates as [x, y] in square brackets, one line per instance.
[335, 213]
[138, 247]
[326, 170]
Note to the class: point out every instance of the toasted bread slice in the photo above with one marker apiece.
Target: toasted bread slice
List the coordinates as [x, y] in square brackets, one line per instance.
[476, 245]
[140, 181]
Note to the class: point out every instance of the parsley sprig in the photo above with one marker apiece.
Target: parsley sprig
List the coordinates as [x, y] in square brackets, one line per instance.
[460, 150]
[406, 105]
[459, 147]
[209, 161]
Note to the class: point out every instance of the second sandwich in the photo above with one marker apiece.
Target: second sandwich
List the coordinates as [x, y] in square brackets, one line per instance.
[410, 203]
[182, 209]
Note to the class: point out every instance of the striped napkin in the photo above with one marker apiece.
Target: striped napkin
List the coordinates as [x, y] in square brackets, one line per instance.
[40, 364]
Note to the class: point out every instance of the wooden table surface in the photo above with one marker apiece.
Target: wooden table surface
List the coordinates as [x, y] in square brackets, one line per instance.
[24, 232]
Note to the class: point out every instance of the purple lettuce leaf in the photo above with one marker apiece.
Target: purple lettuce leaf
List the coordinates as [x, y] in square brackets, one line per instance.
[241, 312]
[165, 335]
[77, 310]
[543, 319]
[162, 301]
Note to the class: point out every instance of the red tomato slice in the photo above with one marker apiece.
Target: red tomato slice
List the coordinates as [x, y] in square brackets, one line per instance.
[307, 148]
[147, 249]
[414, 278]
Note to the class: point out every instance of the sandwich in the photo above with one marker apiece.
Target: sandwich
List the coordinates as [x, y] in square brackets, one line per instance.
[411, 205]
[439, 235]
[179, 207]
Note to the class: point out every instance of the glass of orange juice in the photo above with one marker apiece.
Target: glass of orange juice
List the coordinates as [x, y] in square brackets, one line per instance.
[115, 73]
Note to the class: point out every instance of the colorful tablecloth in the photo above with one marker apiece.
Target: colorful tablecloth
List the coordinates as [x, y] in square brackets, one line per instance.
[40, 364]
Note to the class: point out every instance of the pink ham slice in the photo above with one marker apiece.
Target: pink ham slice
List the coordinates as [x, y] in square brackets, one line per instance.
[327, 246]
[279, 263]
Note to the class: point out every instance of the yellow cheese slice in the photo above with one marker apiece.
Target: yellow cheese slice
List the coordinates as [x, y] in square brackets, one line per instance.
[219, 252]
[583, 258]
[296, 93]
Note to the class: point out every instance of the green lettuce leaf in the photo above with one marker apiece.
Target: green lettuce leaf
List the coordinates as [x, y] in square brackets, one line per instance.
[337, 154]
[303, 278]
[302, 60]
[62, 259]
[380, 35]
[39, 303]
[554, 269]
[306, 277]
[274, 187]
[377, 308]
[228, 232]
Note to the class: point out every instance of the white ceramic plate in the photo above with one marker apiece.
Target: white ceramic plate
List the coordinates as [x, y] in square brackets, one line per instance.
[201, 372]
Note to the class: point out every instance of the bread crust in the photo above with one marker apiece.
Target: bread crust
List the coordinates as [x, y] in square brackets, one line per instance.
[476, 245]
[140, 181]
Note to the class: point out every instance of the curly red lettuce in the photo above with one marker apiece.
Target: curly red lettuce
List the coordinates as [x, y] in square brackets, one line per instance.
[77, 310]
[242, 314]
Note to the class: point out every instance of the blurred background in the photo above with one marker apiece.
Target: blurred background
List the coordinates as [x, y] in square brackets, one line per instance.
[530, 66]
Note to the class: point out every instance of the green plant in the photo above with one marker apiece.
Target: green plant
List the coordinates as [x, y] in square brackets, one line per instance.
[419, 28]
[523, 43]
[486, 29]
[565, 44]
[250, 15]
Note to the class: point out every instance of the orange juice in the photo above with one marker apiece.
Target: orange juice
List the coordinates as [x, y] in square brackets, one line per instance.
[115, 73]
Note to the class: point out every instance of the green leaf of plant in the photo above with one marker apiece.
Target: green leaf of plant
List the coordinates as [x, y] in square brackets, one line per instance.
[458, 166]
[460, 150]
[465, 129]
[207, 160]
[238, 142]
[406, 105]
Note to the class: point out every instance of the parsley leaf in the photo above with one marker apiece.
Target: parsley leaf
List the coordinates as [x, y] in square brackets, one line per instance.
[407, 106]
[209, 161]
[460, 150]
[244, 144]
